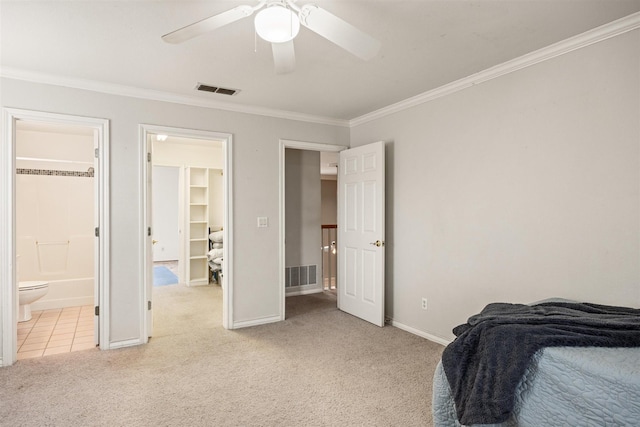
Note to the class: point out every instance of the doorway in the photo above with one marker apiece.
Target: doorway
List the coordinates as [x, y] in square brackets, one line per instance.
[361, 201]
[57, 222]
[329, 219]
[190, 151]
[296, 277]
[166, 223]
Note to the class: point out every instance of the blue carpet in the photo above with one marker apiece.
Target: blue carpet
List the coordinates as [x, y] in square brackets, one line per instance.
[163, 276]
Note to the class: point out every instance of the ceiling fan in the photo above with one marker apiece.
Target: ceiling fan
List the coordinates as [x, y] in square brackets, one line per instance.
[278, 22]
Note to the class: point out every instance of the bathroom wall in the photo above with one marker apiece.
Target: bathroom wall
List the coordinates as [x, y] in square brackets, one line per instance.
[55, 214]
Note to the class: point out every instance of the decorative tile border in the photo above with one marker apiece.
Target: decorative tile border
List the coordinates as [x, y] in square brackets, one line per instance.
[48, 172]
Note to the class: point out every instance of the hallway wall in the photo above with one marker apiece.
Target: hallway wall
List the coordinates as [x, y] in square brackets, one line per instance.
[255, 185]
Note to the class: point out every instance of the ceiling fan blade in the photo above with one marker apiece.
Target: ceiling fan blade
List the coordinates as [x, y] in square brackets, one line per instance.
[284, 57]
[208, 24]
[339, 32]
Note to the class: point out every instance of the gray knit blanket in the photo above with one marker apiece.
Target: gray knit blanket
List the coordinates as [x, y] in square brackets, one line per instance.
[491, 352]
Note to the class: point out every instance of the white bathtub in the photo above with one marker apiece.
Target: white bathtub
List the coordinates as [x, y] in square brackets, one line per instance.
[66, 293]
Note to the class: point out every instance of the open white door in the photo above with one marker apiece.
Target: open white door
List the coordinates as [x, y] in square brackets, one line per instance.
[96, 246]
[149, 237]
[165, 204]
[361, 232]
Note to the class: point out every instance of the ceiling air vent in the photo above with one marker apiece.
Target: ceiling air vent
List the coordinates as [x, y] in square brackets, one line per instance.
[214, 89]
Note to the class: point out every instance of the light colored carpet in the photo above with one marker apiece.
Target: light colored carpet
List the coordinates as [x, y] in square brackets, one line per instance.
[320, 367]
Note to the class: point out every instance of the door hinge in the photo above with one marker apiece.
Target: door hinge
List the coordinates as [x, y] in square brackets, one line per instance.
[96, 152]
[148, 305]
[148, 231]
[97, 231]
[97, 310]
[148, 157]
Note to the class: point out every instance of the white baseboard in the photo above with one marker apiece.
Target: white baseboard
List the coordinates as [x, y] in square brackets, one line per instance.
[420, 333]
[200, 282]
[124, 343]
[255, 322]
[62, 303]
[298, 291]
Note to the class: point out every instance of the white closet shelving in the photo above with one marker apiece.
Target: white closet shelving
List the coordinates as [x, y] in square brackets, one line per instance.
[198, 216]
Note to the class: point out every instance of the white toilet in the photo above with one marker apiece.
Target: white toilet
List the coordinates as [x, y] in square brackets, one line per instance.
[29, 292]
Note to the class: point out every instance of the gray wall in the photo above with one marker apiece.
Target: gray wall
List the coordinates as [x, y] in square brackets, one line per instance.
[516, 189]
[303, 234]
[520, 188]
[329, 189]
[255, 180]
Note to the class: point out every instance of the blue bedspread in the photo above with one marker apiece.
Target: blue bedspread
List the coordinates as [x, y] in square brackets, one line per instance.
[564, 386]
[491, 353]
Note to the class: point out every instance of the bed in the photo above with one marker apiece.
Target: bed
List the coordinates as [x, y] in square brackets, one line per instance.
[587, 374]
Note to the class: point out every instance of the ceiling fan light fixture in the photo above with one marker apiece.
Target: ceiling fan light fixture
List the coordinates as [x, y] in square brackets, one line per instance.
[277, 24]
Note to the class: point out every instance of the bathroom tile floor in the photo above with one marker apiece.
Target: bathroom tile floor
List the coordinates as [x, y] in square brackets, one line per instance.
[56, 331]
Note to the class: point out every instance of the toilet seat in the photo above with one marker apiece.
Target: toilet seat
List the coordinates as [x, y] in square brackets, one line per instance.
[32, 285]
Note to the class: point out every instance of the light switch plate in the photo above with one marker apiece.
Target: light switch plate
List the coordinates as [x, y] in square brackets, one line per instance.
[263, 221]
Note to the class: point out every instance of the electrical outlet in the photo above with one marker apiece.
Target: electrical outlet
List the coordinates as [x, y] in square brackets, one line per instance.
[424, 303]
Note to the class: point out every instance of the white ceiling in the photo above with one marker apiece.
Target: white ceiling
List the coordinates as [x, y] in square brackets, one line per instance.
[425, 44]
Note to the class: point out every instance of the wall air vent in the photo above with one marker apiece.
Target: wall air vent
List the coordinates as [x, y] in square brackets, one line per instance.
[213, 89]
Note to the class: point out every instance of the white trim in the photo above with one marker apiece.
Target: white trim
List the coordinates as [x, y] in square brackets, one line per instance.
[104, 190]
[62, 302]
[227, 139]
[587, 38]
[300, 290]
[420, 333]
[9, 300]
[227, 282]
[145, 270]
[598, 34]
[125, 343]
[300, 145]
[155, 95]
[256, 322]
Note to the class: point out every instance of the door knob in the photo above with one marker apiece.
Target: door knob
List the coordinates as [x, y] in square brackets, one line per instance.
[377, 243]
[154, 241]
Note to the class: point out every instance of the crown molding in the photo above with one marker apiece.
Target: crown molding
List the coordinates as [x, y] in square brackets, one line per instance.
[587, 38]
[155, 95]
[598, 34]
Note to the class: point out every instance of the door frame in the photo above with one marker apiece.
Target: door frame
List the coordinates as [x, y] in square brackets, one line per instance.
[299, 145]
[146, 276]
[8, 294]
